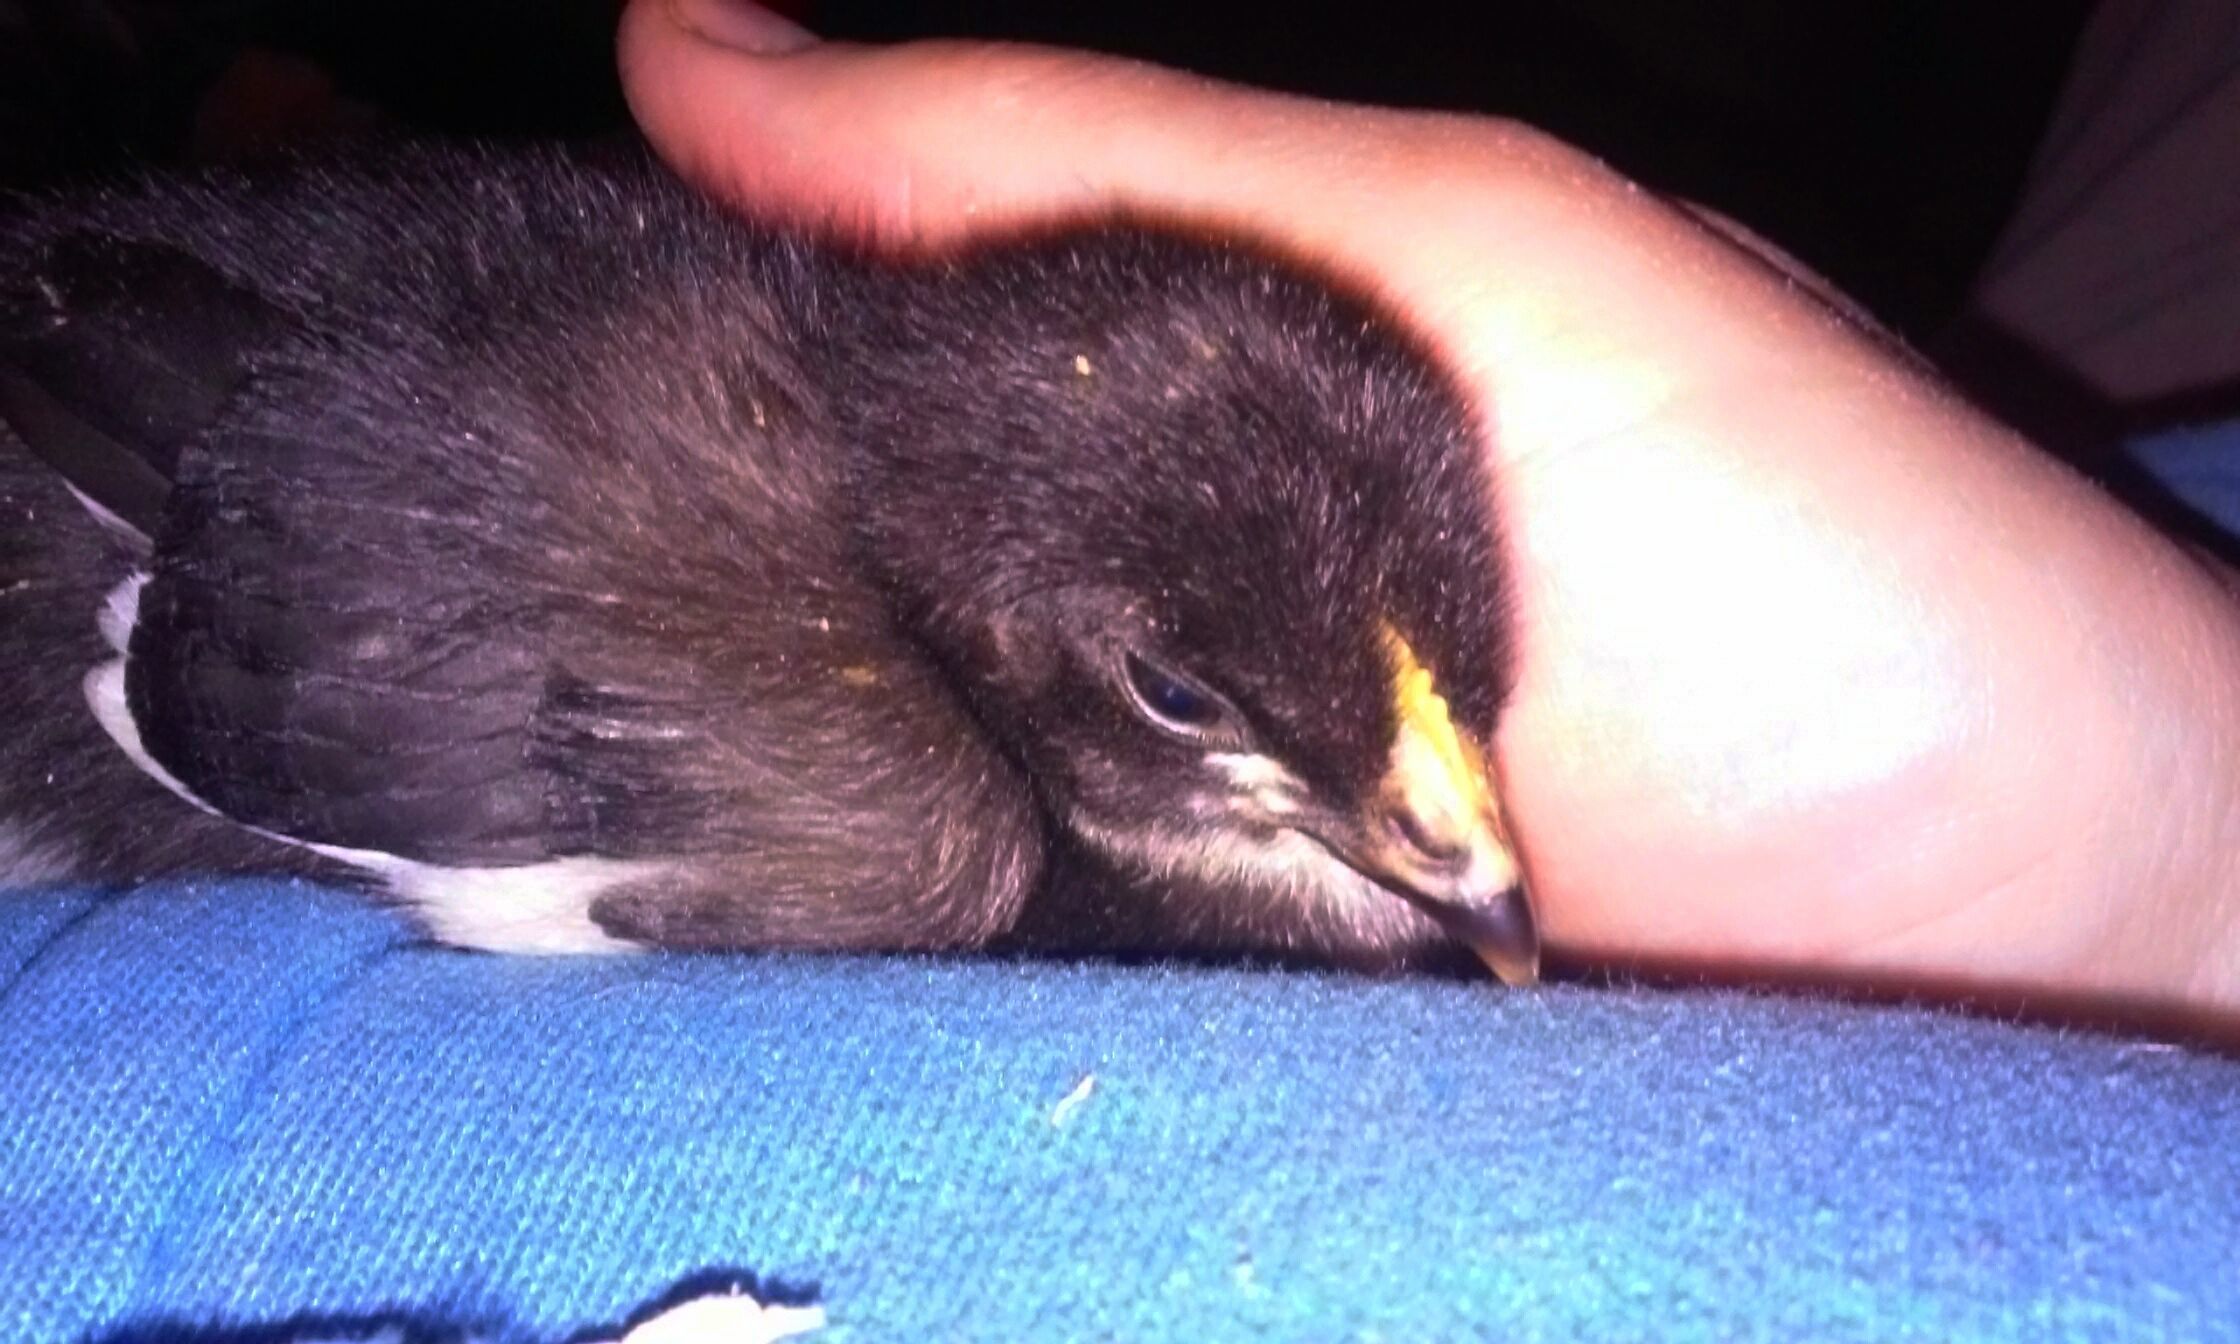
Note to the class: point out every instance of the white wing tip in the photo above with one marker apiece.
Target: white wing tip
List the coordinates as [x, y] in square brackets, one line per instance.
[534, 908]
[541, 908]
[725, 1318]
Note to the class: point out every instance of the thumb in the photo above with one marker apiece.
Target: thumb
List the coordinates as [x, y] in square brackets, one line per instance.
[923, 141]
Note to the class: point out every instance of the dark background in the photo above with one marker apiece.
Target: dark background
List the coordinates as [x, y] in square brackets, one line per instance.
[1881, 142]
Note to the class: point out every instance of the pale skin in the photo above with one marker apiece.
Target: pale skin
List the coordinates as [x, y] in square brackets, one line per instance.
[1824, 676]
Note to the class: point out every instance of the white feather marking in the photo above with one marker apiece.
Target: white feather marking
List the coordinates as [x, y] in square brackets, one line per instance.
[1287, 862]
[104, 691]
[1262, 786]
[1323, 901]
[120, 611]
[103, 515]
[1251, 770]
[540, 907]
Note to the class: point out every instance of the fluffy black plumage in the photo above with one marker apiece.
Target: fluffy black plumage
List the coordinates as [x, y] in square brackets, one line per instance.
[584, 564]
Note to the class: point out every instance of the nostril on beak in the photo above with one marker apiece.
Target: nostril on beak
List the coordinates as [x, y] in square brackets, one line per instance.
[1437, 849]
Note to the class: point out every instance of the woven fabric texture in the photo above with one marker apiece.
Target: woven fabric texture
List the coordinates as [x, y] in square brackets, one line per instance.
[231, 1106]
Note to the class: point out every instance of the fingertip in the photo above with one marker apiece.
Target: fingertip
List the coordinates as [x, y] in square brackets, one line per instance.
[705, 81]
[920, 143]
[756, 111]
[742, 26]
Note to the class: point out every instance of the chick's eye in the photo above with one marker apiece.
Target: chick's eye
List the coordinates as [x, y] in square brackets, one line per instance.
[1173, 701]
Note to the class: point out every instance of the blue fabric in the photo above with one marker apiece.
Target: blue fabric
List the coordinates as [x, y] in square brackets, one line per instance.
[231, 1105]
[2200, 465]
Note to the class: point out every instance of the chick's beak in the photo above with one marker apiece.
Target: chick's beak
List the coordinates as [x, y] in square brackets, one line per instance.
[1457, 867]
[1434, 833]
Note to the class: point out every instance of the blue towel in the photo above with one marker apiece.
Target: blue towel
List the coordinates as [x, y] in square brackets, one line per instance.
[228, 1106]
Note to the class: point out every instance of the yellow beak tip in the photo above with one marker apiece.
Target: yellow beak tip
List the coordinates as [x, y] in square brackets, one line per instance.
[1518, 970]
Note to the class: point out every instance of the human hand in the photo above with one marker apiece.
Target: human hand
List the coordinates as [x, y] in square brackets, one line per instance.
[1823, 675]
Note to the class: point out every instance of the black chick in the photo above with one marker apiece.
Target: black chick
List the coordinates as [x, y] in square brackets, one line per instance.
[590, 568]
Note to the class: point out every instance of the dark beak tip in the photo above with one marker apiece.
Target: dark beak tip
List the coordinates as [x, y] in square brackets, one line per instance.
[1503, 933]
